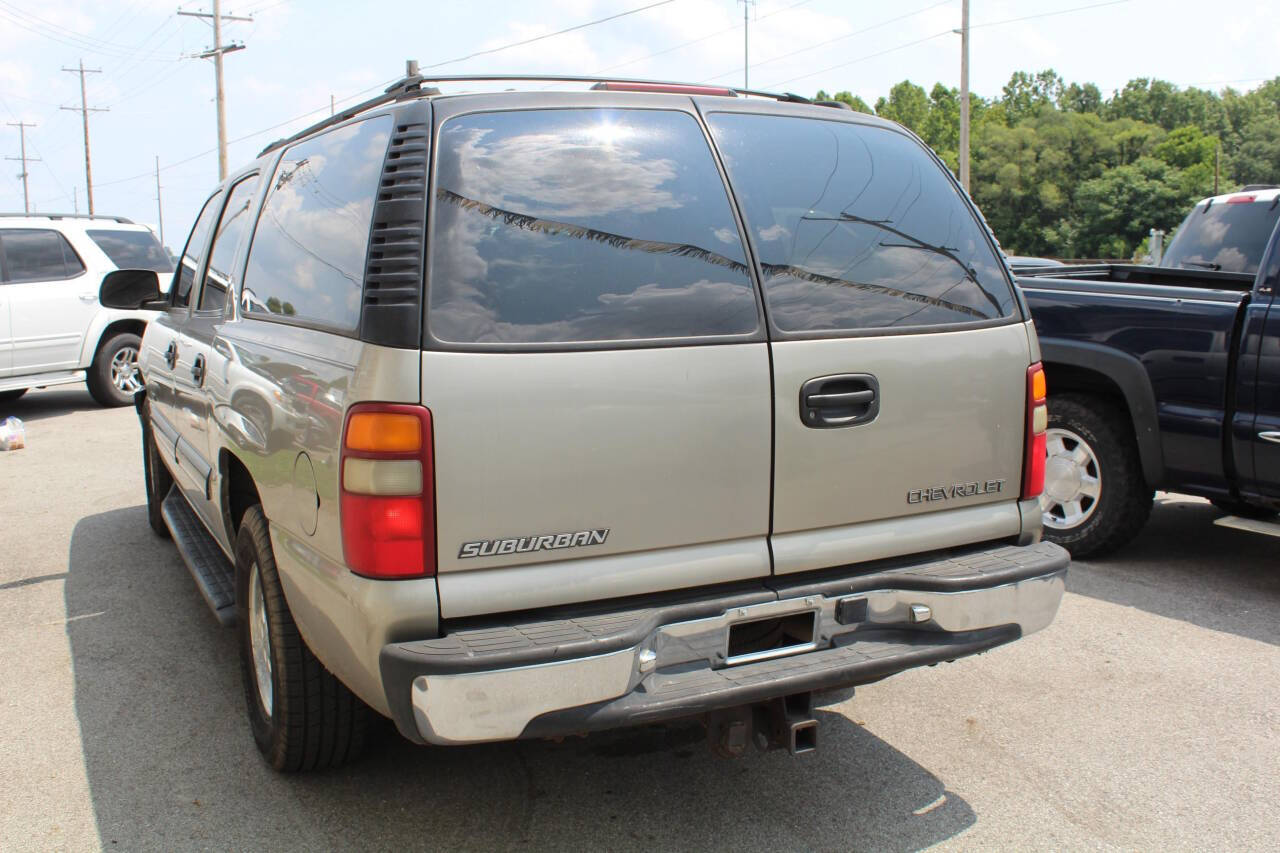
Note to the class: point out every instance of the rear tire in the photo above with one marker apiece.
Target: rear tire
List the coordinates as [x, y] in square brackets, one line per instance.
[1096, 497]
[158, 481]
[10, 396]
[113, 377]
[302, 717]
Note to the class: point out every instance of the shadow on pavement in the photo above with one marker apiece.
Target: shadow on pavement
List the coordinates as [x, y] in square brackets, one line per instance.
[1185, 567]
[38, 405]
[171, 764]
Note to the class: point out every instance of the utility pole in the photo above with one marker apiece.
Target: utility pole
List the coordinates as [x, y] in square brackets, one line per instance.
[85, 109]
[22, 142]
[159, 209]
[216, 53]
[964, 94]
[746, 7]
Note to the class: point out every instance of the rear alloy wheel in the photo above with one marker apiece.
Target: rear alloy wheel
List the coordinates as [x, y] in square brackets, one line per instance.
[302, 716]
[114, 377]
[1095, 496]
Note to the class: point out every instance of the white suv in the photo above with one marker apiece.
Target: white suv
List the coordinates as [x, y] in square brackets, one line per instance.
[53, 330]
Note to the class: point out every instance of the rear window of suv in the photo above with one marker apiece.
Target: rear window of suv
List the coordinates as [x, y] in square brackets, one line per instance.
[132, 250]
[857, 227]
[583, 225]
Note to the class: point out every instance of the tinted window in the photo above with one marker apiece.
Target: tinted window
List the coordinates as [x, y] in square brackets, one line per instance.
[1227, 237]
[583, 225]
[308, 253]
[191, 252]
[218, 274]
[857, 227]
[132, 250]
[38, 255]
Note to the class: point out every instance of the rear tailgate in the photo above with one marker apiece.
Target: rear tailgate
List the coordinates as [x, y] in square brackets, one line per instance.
[899, 355]
[598, 373]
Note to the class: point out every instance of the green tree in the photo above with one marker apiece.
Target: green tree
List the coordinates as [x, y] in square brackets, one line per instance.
[1027, 94]
[1116, 210]
[907, 104]
[1257, 158]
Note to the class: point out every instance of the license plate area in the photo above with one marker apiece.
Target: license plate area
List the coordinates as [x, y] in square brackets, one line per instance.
[771, 637]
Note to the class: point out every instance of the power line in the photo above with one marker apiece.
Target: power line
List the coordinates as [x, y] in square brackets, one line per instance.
[551, 35]
[830, 41]
[62, 35]
[944, 33]
[698, 40]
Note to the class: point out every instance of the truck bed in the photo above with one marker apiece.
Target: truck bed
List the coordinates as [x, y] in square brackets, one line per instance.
[1180, 326]
[1116, 277]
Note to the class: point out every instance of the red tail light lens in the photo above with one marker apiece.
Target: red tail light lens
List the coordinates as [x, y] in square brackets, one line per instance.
[1037, 423]
[387, 491]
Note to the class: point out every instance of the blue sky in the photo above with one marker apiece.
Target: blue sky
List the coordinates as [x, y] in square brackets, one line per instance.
[300, 52]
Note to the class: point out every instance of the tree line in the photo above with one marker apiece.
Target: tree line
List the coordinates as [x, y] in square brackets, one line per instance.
[1060, 170]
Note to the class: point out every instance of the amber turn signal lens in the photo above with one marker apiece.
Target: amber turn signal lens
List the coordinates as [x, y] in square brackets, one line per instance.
[1038, 386]
[384, 432]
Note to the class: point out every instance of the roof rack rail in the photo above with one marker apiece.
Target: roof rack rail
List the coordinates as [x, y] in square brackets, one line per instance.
[410, 86]
[1254, 187]
[120, 219]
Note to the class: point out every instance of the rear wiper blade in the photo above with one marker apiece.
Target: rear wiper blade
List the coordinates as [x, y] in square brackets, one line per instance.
[1209, 265]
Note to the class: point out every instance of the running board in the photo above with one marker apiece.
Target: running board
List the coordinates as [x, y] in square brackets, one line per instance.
[1253, 525]
[213, 572]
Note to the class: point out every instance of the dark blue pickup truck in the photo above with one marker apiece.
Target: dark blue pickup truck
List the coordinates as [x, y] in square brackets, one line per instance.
[1164, 377]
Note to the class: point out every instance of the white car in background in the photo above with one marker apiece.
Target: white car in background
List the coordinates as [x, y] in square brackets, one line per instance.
[53, 329]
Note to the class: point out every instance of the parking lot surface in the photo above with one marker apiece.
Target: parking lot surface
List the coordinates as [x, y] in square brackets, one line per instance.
[1144, 717]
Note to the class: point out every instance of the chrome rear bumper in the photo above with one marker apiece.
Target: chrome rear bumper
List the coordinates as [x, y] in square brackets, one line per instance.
[632, 666]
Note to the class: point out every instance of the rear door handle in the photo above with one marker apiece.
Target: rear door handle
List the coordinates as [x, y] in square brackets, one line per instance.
[1273, 436]
[197, 369]
[88, 297]
[171, 354]
[841, 400]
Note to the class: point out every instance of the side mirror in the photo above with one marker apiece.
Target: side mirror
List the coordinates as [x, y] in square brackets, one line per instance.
[131, 290]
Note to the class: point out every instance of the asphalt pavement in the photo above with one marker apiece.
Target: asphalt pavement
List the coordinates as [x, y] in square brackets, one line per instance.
[1145, 717]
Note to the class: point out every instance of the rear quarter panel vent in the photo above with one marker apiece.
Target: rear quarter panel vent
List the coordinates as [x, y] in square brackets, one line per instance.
[392, 309]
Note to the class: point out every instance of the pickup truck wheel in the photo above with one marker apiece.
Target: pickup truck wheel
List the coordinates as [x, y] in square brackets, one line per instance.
[158, 481]
[10, 396]
[302, 717]
[1095, 498]
[114, 377]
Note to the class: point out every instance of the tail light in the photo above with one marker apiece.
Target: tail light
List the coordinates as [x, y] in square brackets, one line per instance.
[387, 494]
[1037, 423]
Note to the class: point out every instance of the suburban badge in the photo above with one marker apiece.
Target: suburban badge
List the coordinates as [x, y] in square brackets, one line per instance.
[527, 544]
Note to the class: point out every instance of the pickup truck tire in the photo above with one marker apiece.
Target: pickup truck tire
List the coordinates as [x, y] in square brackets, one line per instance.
[302, 717]
[113, 377]
[1123, 501]
[158, 481]
[10, 396]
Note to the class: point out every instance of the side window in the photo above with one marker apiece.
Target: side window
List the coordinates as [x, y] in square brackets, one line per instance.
[187, 267]
[857, 227]
[308, 252]
[235, 219]
[38, 255]
[559, 226]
